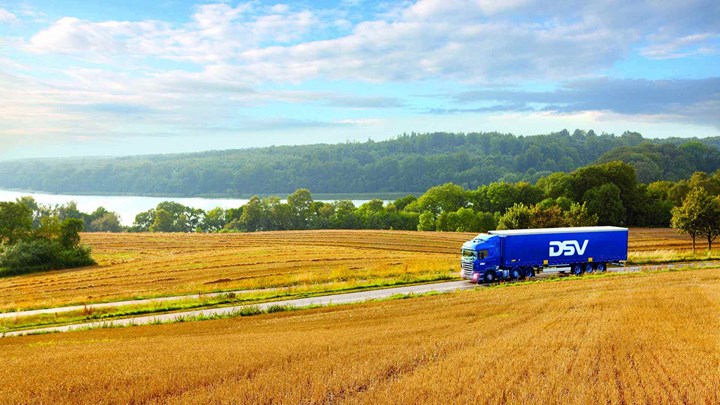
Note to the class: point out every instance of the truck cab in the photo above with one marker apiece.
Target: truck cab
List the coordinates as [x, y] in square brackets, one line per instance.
[478, 255]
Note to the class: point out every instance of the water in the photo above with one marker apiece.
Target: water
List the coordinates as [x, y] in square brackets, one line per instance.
[127, 206]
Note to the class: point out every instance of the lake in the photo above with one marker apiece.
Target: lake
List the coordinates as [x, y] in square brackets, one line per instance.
[128, 206]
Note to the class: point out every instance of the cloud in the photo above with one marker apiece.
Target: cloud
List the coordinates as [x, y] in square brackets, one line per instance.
[682, 47]
[72, 35]
[470, 41]
[7, 17]
[692, 101]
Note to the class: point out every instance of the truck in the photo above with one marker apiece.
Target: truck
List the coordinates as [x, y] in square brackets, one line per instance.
[522, 253]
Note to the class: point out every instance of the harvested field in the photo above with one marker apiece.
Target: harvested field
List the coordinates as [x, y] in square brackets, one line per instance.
[149, 264]
[134, 265]
[632, 338]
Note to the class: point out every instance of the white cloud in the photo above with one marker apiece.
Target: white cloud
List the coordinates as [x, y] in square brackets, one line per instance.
[7, 17]
[474, 41]
[72, 35]
[681, 47]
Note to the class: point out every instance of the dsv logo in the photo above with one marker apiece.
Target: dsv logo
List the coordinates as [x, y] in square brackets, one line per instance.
[567, 248]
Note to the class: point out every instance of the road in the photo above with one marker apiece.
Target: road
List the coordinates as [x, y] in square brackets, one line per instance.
[300, 302]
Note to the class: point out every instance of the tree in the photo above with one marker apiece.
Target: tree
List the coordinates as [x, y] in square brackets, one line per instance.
[300, 202]
[605, 202]
[710, 220]
[427, 222]
[70, 230]
[403, 202]
[15, 221]
[163, 221]
[551, 217]
[345, 217]
[688, 217]
[485, 221]
[446, 198]
[578, 215]
[109, 222]
[462, 220]
[215, 220]
[519, 216]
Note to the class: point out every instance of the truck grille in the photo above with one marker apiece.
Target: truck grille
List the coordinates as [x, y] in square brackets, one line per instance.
[467, 269]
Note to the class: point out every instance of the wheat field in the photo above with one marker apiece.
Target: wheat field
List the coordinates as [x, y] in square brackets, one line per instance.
[630, 338]
[150, 265]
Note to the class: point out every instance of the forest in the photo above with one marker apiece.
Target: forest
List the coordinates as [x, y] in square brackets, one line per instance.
[407, 164]
[600, 194]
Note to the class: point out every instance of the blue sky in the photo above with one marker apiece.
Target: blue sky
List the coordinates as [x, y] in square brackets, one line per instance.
[135, 77]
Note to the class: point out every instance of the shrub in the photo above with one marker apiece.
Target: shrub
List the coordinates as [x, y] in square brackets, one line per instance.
[41, 254]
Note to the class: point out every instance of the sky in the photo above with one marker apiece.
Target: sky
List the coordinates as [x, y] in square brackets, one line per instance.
[97, 78]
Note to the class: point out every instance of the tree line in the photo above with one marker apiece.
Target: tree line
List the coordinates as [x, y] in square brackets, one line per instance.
[35, 236]
[409, 163]
[602, 194]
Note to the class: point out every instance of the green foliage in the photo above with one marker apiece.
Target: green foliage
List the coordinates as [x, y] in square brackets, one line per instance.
[69, 237]
[699, 215]
[54, 244]
[40, 254]
[15, 222]
[578, 215]
[426, 221]
[519, 216]
[410, 162]
[604, 201]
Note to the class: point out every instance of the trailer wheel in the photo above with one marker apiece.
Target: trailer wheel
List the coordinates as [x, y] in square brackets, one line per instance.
[489, 277]
[577, 269]
[529, 272]
[589, 268]
[601, 267]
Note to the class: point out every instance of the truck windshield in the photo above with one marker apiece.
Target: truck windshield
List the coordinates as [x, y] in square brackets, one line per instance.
[468, 254]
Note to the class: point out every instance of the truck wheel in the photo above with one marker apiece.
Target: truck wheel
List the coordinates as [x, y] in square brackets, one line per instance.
[589, 268]
[601, 267]
[577, 269]
[489, 277]
[515, 273]
[529, 272]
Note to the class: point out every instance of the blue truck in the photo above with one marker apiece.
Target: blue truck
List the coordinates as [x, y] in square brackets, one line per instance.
[522, 253]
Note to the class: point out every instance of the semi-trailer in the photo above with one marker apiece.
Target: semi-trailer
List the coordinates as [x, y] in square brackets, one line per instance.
[522, 253]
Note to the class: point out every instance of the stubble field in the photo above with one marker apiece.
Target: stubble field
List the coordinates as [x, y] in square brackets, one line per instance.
[151, 265]
[630, 338]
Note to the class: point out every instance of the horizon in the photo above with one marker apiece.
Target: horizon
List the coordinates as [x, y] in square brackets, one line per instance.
[106, 80]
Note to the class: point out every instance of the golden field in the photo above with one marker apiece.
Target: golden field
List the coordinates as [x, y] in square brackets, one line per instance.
[149, 265]
[145, 265]
[628, 338]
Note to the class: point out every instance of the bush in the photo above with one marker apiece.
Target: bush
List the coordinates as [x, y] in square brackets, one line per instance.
[41, 254]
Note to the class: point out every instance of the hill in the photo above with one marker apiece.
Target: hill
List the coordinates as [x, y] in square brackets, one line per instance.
[409, 163]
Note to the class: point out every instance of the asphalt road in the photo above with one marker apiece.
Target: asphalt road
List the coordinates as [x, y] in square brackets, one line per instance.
[300, 302]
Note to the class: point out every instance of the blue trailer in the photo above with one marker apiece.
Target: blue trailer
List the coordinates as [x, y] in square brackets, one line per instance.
[522, 253]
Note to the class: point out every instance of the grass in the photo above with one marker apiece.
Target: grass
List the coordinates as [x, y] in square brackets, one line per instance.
[648, 338]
